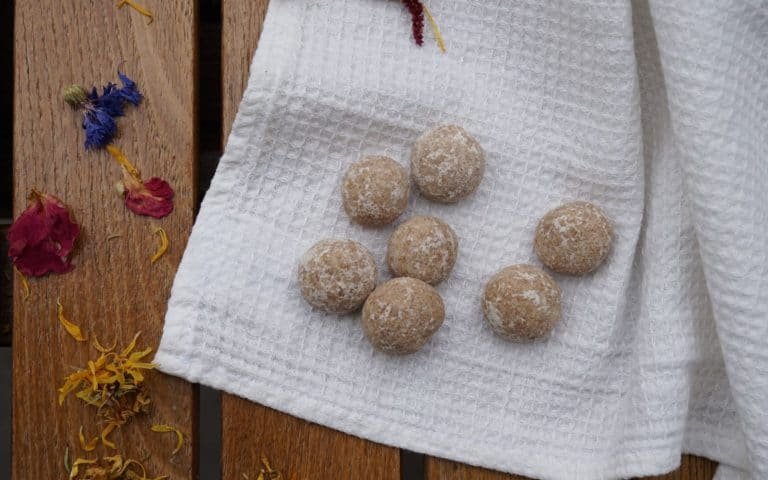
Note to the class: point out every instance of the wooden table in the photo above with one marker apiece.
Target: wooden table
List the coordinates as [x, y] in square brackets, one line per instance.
[115, 291]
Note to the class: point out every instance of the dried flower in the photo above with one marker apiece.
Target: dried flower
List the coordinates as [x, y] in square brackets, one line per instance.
[417, 20]
[24, 283]
[43, 237]
[70, 327]
[87, 446]
[100, 111]
[418, 11]
[163, 244]
[153, 197]
[266, 472]
[114, 384]
[168, 428]
[109, 468]
[138, 8]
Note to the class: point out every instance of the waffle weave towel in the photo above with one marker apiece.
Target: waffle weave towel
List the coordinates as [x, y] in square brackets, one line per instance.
[655, 110]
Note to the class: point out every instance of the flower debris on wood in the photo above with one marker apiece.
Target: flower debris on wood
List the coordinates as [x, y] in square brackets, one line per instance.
[142, 10]
[42, 238]
[113, 384]
[153, 197]
[266, 472]
[108, 468]
[419, 11]
[101, 111]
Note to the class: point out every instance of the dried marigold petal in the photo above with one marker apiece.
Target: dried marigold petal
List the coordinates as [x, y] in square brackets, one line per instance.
[43, 237]
[142, 10]
[169, 428]
[163, 244]
[70, 327]
[24, 284]
[87, 446]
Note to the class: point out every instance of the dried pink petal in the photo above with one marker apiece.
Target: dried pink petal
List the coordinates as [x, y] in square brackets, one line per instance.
[153, 197]
[42, 237]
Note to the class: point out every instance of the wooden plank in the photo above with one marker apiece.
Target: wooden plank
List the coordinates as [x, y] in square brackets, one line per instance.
[296, 447]
[691, 468]
[114, 291]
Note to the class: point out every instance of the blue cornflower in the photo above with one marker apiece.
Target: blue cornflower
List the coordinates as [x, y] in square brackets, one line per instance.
[100, 111]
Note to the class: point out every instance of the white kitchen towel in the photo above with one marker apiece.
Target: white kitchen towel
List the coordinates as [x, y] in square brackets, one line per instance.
[655, 110]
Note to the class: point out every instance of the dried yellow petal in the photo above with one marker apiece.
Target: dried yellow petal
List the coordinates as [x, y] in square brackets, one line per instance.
[76, 466]
[163, 244]
[24, 284]
[168, 428]
[105, 433]
[87, 446]
[435, 29]
[138, 8]
[118, 154]
[100, 348]
[70, 327]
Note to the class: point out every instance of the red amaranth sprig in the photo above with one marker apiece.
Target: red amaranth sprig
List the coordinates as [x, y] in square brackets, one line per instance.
[417, 19]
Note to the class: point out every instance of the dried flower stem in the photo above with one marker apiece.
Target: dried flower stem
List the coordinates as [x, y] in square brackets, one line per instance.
[138, 8]
[435, 28]
[24, 283]
[164, 243]
[120, 158]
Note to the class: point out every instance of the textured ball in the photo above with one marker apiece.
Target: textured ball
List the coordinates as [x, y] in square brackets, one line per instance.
[337, 275]
[447, 164]
[521, 303]
[423, 248]
[401, 315]
[375, 190]
[574, 238]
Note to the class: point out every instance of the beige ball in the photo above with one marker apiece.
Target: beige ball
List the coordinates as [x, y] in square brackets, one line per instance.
[447, 164]
[401, 315]
[375, 190]
[574, 238]
[337, 275]
[521, 303]
[423, 248]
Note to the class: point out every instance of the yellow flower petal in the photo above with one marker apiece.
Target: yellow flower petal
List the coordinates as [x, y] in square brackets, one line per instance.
[70, 327]
[87, 446]
[168, 428]
[24, 284]
[138, 8]
[163, 244]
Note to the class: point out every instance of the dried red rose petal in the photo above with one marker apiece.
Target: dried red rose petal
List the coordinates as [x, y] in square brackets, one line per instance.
[153, 197]
[42, 237]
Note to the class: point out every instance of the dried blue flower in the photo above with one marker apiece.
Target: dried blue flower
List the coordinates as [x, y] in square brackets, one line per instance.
[100, 111]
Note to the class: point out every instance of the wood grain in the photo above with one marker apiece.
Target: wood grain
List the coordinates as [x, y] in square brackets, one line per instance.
[114, 291]
[301, 450]
[691, 468]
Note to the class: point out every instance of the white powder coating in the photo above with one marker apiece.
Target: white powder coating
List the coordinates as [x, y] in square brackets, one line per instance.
[401, 315]
[521, 303]
[337, 275]
[447, 164]
[574, 238]
[375, 190]
[423, 247]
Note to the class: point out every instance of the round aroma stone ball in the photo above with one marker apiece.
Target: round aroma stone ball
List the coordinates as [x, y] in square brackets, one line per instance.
[521, 303]
[574, 238]
[447, 164]
[401, 315]
[337, 275]
[375, 190]
[423, 248]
